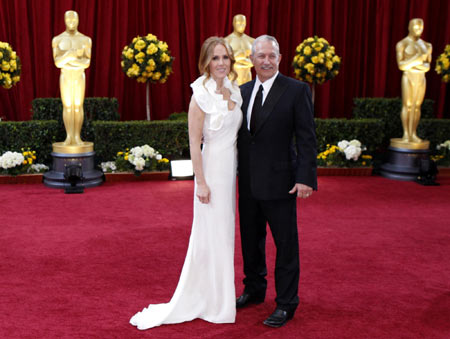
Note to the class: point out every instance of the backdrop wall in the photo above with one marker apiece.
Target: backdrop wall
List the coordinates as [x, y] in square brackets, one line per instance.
[363, 32]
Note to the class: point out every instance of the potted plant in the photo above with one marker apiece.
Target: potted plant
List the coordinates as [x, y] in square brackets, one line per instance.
[148, 60]
[140, 161]
[315, 61]
[345, 158]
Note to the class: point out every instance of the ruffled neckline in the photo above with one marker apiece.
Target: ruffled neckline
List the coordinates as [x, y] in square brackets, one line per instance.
[210, 85]
[212, 103]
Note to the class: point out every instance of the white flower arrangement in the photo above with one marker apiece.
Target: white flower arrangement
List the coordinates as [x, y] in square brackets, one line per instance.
[137, 159]
[108, 167]
[352, 149]
[139, 155]
[442, 156]
[38, 168]
[444, 145]
[14, 163]
[11, 159]
[344, 154]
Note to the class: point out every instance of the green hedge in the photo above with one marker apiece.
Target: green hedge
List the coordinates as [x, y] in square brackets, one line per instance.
[94, 109]
[170, 138]
[388, 110]
[434, 130]
[331, 131]
[37, 135]
[103, 109]
[178, 116]
[109, 137]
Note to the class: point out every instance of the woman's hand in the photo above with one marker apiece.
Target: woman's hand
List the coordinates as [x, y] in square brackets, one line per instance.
[225, 93]
[203, 193]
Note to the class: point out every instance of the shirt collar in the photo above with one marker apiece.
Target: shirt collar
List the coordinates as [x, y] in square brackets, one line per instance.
[267, 85]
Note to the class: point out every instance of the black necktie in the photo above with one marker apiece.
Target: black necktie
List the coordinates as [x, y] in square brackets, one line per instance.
[256, 110]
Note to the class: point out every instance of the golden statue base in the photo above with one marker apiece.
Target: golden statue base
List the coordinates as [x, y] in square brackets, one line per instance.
[400, 143]
[84, 147]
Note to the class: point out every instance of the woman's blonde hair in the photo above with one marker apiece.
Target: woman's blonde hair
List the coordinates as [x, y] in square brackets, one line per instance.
[207, 53]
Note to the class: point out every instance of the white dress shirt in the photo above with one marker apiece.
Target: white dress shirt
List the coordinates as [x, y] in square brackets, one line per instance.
[267, 85]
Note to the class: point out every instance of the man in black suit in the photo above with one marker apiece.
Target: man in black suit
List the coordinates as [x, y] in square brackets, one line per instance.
[273, 171]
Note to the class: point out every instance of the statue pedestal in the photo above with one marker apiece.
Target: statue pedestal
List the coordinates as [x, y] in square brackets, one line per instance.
[404, 163]
[55, 178]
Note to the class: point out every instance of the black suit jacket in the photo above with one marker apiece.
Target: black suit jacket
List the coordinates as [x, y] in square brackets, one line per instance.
[269, 162]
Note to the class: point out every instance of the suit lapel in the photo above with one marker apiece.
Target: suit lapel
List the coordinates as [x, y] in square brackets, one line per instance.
[278, 88]
[246, 94]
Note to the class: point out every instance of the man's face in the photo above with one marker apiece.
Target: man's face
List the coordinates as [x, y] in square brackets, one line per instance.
[71, 20]
[266, 60]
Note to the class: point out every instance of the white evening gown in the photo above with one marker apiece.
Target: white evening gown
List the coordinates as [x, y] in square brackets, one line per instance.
[206, 286]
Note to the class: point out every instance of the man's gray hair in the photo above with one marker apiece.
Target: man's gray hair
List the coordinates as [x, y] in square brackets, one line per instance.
[269, 38]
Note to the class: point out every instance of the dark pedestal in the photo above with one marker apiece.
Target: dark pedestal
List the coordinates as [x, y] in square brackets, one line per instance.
[404, 164]
[55, 177]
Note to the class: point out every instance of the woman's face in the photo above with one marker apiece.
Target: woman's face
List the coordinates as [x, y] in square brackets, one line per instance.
[219, 66]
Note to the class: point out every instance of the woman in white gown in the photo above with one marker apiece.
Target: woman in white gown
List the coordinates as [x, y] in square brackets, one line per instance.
[206, 286]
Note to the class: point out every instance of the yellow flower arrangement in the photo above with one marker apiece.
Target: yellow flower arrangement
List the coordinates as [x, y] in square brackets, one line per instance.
[28, 156]
[315, 61]
[443, 64]
[10, 66]
[147, 59]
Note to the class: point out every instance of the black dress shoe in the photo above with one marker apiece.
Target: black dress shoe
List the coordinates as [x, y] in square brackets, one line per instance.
[247, 298]
[279, 318]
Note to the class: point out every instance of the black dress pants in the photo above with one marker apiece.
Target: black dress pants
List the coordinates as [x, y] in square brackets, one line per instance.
[281, 215]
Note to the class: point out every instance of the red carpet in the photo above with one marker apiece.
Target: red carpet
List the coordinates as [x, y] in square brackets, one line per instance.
[374, 258]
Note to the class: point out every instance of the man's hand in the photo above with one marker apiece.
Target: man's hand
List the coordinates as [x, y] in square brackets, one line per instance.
[302, 191]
